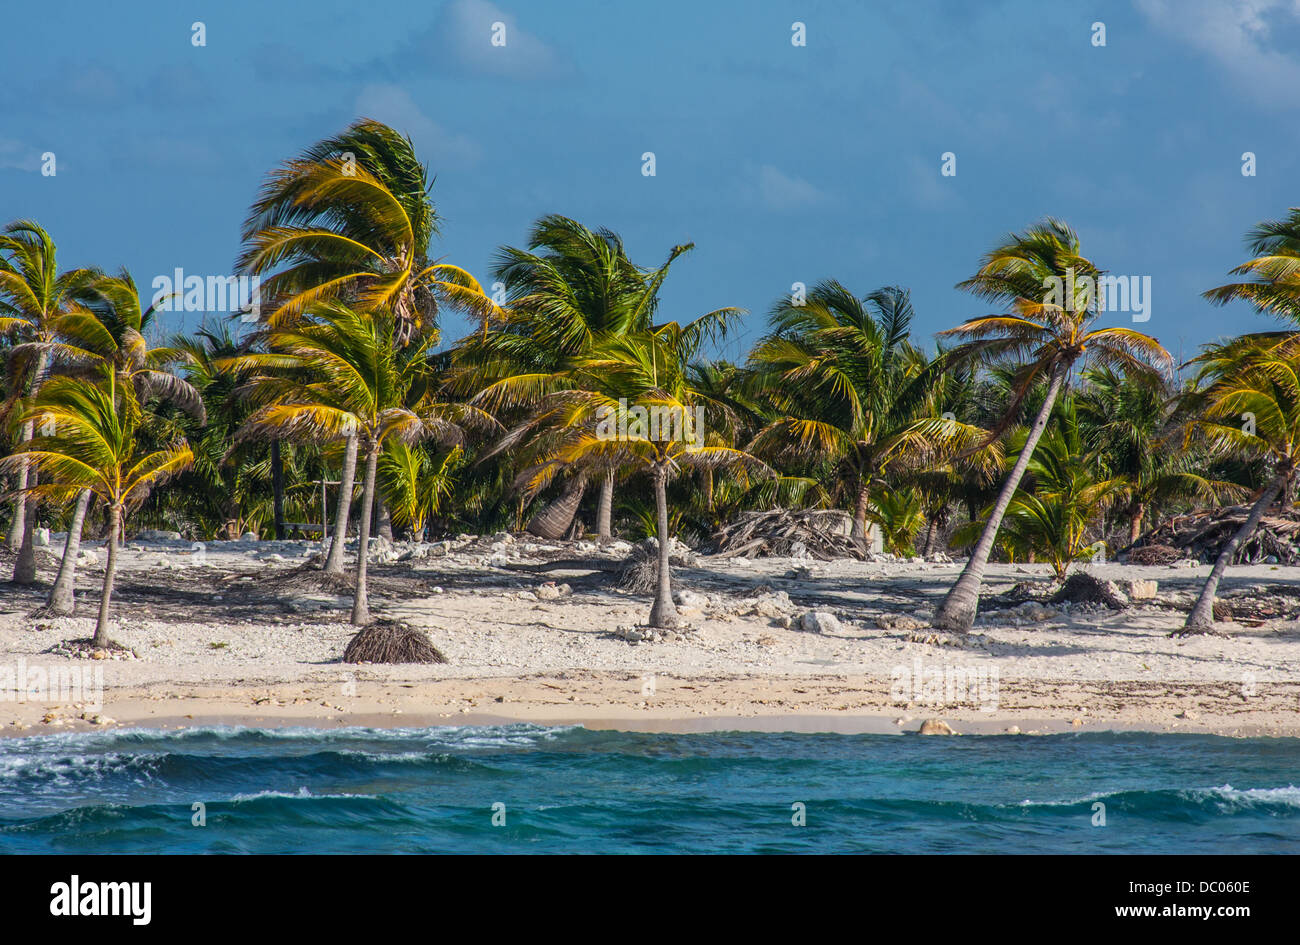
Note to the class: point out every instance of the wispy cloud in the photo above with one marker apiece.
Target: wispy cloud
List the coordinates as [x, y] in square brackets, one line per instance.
[1241, 36]
[14, 155]
[782, 191]
[460, 42]
[394, 106]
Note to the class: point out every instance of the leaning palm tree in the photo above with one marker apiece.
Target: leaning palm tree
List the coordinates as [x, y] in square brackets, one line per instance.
[340, 375]
[108, 334]
[91, 443]
[33, 293]
[846, 386]
[1250, 406]
[351, 220]
[1050, 288]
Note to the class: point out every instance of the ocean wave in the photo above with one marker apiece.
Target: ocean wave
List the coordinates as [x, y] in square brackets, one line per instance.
[301, 794]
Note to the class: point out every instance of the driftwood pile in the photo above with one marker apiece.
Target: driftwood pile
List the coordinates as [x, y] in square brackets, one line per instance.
[1203, 536]
[785, 533]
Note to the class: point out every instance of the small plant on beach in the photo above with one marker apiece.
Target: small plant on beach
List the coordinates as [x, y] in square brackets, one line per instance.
[92, 444]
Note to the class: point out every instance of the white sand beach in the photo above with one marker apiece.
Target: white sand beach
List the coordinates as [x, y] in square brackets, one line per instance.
[235, 634]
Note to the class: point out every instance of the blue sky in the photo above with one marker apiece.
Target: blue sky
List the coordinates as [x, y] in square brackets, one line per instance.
[781, 163]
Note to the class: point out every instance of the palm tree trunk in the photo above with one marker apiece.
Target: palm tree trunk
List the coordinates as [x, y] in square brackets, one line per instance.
[859, 531]
[929, 538]
[360, 605]
[663, 613]
[1201, 619]
[62, 599]
[605, 510]
[334, 560]
[957, 612]
[15, 537]
[385, 520]
[1135, 526]
[277, 489]
[110, 570]
[552, 522]
[25, 566]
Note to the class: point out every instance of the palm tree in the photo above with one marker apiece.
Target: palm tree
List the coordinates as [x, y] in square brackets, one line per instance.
[572, 290]
[1067, 496]
[632, 405]
[343, 375]
[351, 220]
[92, 444]
[107, 335]
[1250, 407]
[33, 293]
[1043, 277]
[846, 387]
[1275, 268]
[1133, 425]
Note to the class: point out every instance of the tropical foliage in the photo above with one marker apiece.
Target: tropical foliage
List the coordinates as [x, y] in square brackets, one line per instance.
[1046, 431]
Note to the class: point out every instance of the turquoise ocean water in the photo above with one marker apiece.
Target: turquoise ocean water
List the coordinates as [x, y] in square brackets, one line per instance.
[572, 790]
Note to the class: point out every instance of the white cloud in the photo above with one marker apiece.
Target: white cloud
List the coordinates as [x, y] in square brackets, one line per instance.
[1238, 35]
[463, 35]
[15, 155]
[437, 145]
[782, 192]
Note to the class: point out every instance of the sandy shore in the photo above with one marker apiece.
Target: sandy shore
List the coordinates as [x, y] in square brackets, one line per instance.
[234, 634]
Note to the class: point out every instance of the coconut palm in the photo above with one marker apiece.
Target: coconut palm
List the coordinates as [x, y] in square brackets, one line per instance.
[1068, 495]
[1134, 428]
[846, 387]
[1275, 270]
[1043, 278]
[570, 291]
[33, 293]
[91, 443]
[631, 405]
[343, 375]
[107, 334]
[351, 220]
[1249, 406]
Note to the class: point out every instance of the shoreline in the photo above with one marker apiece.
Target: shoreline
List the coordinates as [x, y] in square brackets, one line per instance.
[614, 701]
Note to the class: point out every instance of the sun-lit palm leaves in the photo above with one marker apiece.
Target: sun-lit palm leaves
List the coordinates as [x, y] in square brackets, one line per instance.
[1274, 286]
[342, 375]
[33, 294]
[631, 404]
[571, 291]
[1044, 280]
[92, 444]
[351, 220]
